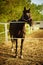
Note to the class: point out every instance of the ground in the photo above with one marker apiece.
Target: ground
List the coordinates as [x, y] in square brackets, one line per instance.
[32, 51]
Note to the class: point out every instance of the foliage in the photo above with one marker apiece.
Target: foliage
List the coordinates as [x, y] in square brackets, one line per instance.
[35, 12]
[12, 9]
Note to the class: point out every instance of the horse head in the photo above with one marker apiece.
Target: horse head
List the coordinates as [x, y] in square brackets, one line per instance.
[27, 17]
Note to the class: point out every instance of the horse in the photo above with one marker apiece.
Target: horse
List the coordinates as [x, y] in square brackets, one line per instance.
[17, 29]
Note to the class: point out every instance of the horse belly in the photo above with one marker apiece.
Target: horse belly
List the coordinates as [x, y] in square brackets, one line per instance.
[19, 34]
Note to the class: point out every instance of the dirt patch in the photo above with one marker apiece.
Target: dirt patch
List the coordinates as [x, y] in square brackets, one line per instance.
[32, 52]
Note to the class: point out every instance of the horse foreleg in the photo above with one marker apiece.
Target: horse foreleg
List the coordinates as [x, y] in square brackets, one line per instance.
[21, 48]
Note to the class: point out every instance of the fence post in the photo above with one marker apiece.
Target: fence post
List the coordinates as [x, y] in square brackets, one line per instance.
[6, 35]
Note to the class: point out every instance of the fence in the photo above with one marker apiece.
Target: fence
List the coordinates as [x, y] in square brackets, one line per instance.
[6, 30]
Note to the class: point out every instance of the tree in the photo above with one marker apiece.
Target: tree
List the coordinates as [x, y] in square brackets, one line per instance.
[35, 12]
[12, 9]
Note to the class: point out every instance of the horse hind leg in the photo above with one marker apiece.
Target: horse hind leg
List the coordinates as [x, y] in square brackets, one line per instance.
[12, 40]
[12, 47]
[16, 48]
[21, 48]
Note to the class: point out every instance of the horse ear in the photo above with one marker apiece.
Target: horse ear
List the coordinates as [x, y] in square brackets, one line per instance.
[24, 10]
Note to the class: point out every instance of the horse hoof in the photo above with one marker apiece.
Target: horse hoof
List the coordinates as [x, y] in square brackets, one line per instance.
[15, 56]
[21, 57]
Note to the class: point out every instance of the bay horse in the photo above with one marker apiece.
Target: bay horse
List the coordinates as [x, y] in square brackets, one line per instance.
[16, 29]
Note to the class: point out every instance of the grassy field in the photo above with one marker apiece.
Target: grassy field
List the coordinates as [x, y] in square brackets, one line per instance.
[32, 51]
